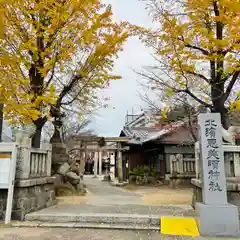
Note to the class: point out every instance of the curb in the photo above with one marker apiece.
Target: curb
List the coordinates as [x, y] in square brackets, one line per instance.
[84, 225]
[97, 218]
[89, 220]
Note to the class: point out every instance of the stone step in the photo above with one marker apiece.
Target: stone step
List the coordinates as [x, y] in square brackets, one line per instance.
[96, 218]
[35, 224]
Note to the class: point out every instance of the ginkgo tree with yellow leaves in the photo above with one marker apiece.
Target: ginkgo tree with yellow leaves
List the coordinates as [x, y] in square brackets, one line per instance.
[2, 17]
[197, 46]
[17, 101]
[61, 49]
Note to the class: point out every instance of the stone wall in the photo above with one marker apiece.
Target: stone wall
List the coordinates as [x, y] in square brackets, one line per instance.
[29, 196]
[34, 185]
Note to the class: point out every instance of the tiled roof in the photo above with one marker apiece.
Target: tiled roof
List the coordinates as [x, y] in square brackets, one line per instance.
[139, 134]
[165, 130]
[144, 134]
[152, 131]
[146, 127]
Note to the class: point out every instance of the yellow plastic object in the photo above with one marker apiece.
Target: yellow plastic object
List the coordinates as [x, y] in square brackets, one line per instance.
[179, 226]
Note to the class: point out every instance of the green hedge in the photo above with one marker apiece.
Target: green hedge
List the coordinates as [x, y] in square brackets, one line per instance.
[143, 170]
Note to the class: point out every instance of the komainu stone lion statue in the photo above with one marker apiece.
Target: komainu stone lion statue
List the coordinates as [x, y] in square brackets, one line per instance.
[230, 134]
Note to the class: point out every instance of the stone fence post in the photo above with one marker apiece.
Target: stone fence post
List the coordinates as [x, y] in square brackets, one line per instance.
[48, 148]
[23, 156]
[176, 164]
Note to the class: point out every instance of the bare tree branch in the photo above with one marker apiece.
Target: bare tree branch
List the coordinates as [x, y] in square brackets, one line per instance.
[199, 75]
[231, 84]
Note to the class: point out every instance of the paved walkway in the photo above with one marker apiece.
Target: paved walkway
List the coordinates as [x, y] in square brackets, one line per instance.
[105, 194]
[105, 198]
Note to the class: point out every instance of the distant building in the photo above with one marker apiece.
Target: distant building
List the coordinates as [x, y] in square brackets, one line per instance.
[154, 140]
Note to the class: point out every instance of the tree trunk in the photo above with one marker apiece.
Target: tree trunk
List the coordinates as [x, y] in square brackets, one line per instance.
[224, 115]
[218, 104]
[36, 138]
[189, 111]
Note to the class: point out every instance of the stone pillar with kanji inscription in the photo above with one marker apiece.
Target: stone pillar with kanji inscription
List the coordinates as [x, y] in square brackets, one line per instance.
[217, 216]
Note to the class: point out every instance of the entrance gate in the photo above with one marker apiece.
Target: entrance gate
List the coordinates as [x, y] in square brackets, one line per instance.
[98, 149]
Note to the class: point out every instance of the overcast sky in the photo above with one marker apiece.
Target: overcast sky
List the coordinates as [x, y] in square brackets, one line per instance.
[124, 93]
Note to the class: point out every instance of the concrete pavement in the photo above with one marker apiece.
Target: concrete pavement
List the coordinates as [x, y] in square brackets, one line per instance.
[105, 194]
[73, 234]
[106, 199]
[106, 207]
[88, 234]
[99, 216]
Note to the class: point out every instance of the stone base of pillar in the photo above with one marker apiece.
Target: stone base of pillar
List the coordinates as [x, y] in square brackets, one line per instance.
[218, 220]
[95, 176]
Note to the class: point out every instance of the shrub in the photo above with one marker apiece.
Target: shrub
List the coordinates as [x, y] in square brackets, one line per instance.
[143, 170]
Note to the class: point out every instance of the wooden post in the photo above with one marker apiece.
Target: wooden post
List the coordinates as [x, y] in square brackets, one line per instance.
[85, 157]
[120, 167]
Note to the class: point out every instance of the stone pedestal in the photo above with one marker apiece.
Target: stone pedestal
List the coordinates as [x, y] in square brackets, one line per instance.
[218, 220]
